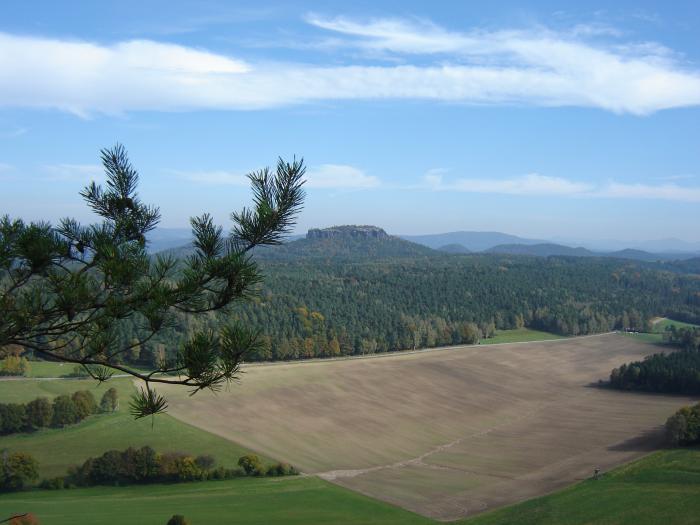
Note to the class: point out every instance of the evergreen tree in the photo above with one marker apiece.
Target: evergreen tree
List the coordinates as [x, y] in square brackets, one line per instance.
[67, 292]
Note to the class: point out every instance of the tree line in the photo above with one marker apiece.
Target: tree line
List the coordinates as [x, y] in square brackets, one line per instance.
[683, 427]
[674, 373]
[326, 308]
[62, 411]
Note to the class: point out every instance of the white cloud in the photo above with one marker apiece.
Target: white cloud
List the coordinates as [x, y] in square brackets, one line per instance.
[539, 185]
[531, 184]
[326, 176]
[671, 192]
[531, 67]
[74, 172]
[339, 176]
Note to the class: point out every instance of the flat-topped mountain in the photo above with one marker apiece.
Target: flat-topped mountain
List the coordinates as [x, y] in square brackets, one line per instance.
[336, 232]
[350, 242]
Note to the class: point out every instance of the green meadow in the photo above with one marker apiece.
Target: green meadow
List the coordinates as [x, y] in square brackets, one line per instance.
[519, 335]
[60, 448]
[663, 488]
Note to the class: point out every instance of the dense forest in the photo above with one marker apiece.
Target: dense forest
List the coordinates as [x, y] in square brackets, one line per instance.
[327, 296]
[675, 372]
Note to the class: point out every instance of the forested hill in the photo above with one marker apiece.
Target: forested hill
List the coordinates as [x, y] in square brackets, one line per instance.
[337, 243]
[345, 243]
[345, 292]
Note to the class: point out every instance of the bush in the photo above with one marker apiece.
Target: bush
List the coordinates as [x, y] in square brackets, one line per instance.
[110, 400]
[85, 403]
[17, 471]
[178, 519]
[26, 519]
[205, 462]
[14, 365]
[252, 465]
[683, 427]
[65, 412]
[39, 413]
[13, 418]
[53, 484]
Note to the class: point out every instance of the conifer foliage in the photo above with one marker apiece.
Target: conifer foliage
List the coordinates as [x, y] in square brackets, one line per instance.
[65, 291]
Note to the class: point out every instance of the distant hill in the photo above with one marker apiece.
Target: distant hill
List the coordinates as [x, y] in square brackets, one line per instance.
[339, 242]
[540, 250]
[165, 238]
[474, 241]
[454, 248]
[345, 242]
[552, 249]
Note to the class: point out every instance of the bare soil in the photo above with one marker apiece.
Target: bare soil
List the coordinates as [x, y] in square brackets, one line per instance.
[447, 433]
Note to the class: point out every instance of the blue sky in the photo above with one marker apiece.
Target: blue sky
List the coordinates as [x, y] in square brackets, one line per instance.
[576, 120]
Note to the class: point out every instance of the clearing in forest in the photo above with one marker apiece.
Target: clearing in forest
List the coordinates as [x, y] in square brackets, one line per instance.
[447, 433]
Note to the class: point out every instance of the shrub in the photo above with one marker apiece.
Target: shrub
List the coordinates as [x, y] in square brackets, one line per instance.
[683, 427]
[178, 519]
[14, 365]
[39, 413]
[17, 471]
[84, 403]
[252, 465]
[187, 469]
[205, 461]
[64, 412]
[110, 400]
[53, 484]
[13, 418]
[25, 519]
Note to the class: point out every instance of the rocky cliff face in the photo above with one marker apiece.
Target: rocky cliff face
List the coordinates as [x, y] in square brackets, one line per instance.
[337, 232]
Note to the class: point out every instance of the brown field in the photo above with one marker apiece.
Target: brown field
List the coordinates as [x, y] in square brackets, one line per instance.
[445, 433]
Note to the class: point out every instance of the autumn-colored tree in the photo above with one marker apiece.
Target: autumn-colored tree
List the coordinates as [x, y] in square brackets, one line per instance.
[251, 464]
[17, 470]
[24, 519]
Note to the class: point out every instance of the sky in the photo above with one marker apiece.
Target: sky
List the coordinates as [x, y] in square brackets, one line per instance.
[555, 120]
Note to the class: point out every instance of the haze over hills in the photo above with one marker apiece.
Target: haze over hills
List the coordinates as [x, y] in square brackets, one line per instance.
[473, 241]
[357, 241]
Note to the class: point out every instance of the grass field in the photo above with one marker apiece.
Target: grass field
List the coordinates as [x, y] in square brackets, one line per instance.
[288, 501]
[661, 488]
[519, 335]
[660, 325]
[58, 449]
[447, 433]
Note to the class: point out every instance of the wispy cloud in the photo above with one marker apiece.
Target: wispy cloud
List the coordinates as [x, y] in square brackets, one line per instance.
[74, 172]
[672, 192]
[17, 132]
[325, 176]
[539, 185]
[535, 66]
[530, 184]
[339, 176]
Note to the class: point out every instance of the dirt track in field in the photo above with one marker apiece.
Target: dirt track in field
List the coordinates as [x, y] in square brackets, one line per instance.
[446, 433]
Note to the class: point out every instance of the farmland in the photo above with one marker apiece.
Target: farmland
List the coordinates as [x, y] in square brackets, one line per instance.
[447, 433]
[57, 449]
[660, 488]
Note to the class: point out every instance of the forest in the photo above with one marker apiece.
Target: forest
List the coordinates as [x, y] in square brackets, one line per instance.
[335, 297]
[673, 373]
